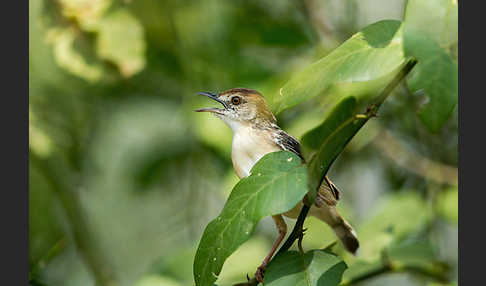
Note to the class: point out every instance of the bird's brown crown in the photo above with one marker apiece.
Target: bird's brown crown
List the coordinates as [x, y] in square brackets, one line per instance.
[241, 91]
[251, 100]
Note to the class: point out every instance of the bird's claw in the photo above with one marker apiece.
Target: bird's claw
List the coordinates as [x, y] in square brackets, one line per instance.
[299, 242]
[260, 273]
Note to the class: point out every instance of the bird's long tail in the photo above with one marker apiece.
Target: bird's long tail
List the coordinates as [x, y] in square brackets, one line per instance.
[347, 235]
[339, 225]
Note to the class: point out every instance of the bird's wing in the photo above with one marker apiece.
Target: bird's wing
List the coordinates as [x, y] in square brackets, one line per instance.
[288, 143]
[333, 187]
[328, 190]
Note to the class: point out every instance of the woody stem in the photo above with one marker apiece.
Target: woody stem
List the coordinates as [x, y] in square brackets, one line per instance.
[297, 230]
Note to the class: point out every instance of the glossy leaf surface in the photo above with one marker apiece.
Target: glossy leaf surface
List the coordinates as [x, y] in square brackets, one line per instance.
[277, 182]
[316, 267]
[357, 67]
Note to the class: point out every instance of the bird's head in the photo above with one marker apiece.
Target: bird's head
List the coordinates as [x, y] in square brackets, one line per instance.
[241, 106]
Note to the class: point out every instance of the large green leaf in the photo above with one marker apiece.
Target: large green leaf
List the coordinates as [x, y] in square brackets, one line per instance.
[330, 138]
[430, 28]
[316, 267]
[358, 67]
[277, 182]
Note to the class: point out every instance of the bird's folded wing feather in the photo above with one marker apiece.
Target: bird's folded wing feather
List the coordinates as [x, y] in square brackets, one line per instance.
[287, 142]
[328, 191]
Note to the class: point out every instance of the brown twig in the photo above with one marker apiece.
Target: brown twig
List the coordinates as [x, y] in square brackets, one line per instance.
[296, 231]
[419, 165]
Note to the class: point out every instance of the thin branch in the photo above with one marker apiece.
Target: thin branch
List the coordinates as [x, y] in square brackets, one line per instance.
[250, 282]
[297, 230]
[368, 275]
[419, 165]
[299, 242]
[390, 268]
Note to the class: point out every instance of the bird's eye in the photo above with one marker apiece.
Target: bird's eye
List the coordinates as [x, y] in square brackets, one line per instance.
[235, 100]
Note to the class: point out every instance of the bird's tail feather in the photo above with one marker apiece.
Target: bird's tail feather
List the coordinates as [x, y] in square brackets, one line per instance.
[347, 235]
[330, 215]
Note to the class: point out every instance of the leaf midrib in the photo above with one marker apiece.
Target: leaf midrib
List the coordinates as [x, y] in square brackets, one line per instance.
[339, 60]
[244, 205]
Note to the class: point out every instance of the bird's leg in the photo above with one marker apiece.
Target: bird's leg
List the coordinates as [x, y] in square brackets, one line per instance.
[282, 230]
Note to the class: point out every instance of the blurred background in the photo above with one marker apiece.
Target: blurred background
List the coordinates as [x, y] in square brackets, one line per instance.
[124, 176]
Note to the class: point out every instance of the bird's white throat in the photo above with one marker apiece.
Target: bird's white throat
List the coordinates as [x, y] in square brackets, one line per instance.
[249, 145]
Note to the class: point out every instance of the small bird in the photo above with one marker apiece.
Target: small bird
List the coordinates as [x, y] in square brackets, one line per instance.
[255, 134]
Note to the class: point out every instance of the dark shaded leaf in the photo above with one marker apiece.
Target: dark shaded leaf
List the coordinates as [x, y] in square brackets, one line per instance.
[316, 267]
[436, 72]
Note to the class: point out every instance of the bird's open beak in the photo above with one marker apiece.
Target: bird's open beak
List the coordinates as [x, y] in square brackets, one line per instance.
[212, 109]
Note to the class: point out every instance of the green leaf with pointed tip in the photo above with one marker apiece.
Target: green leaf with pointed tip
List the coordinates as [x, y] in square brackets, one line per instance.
[429, 31]
[316, 267]
[330, 138]
[277, 183]
[358, 67]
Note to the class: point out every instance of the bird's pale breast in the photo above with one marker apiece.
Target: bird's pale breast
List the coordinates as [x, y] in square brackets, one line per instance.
[249, 146]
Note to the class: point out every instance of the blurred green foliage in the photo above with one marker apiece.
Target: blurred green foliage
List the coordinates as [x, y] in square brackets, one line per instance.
[124, 176]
